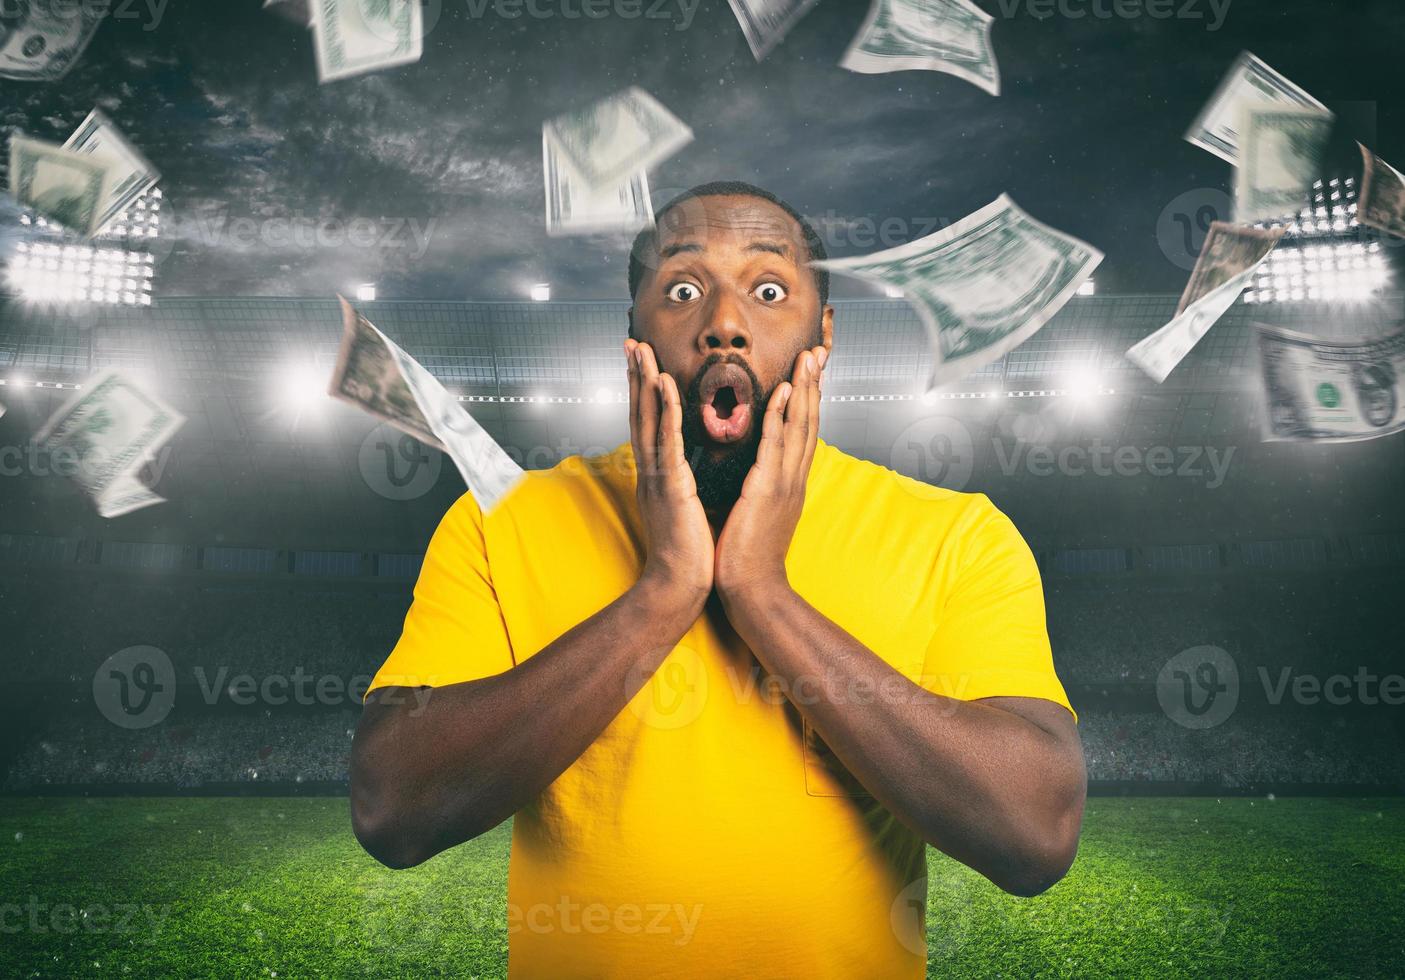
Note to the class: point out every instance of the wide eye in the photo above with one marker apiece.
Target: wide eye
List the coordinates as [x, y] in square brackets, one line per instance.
[683, 292]
[770, 292]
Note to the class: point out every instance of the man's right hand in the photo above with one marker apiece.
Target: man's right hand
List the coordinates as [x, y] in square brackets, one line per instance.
[678, 563]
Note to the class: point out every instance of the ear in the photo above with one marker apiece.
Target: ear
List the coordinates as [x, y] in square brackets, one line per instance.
[827, 328]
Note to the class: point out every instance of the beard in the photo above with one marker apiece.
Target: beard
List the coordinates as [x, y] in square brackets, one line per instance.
[720, 469]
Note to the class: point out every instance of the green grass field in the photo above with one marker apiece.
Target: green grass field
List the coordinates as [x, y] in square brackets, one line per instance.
[278, 887]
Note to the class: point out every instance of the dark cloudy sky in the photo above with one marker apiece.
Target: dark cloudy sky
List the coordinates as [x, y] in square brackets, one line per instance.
[1087, 135]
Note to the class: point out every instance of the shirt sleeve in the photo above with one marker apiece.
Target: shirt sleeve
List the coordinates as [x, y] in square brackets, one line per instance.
[991, 639]
[454, 631]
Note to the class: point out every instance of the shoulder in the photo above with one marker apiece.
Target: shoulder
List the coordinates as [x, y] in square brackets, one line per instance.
[583, 481]
[901, 499]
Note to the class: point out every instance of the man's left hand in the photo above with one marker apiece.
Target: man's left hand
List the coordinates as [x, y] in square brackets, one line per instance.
[751, 549]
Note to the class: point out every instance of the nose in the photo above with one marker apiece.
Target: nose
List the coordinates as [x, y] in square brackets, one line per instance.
[725, 329]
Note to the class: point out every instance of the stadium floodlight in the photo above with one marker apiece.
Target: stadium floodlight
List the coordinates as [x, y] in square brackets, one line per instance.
[69, 273]
[67, 269]
[541, 292]
[302, 385]
[1320, 258]
[604, 395]
[1087, 287]
[928, 398]
[1083, 383]
[892, 292]
[366, 292]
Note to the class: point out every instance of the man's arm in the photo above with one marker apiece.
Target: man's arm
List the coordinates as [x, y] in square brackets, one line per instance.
[433, 767]
[996, 783]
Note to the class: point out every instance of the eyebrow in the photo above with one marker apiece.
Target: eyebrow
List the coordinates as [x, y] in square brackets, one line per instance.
[776, 248]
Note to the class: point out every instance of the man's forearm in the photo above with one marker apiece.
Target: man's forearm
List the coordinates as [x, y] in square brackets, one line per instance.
[433, 768]
[983, 784]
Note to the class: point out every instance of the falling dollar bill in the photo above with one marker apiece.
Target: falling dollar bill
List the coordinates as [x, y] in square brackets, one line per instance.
[1226, 264]
[65, 185]
[375, 375]
[766, 22]
[114, 426]
[1280, 155]
[1249, 80]
[1227, 253]
[951, 36]
[574, 207]
[1381, 203]
[1331, 390]
[40, 40]
[617, 137]
[131, 175]
[353, 37]
[981, 287]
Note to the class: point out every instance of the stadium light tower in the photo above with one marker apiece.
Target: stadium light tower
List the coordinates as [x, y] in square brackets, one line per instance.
[541, 292]
[1320, 258]
[114, 268]
[366, 292]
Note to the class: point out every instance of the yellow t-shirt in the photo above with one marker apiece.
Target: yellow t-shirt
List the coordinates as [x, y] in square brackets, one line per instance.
[708, 832]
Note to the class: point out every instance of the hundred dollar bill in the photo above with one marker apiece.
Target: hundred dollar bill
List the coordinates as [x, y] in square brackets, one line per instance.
[1249, 80]
[131, 174]
[65, 185]
[1227, 262]
[766, 22]
[1330, 390]
[574, 207]
[1280, 155]
[40, 40]
[114, 426]
[375, 375]
[950, 36]
[981, 287]
[617, 137]
[1381, 203]
[353, 37]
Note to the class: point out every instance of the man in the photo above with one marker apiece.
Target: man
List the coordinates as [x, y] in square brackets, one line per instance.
[729, 680]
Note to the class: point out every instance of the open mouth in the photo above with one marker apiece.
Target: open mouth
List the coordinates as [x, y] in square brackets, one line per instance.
[726, 394]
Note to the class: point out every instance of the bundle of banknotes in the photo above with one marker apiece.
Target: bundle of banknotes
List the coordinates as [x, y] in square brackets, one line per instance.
[595, 162]
[85, 184]
[951, 36]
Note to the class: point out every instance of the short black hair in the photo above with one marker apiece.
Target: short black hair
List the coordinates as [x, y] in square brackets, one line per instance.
[648, 238]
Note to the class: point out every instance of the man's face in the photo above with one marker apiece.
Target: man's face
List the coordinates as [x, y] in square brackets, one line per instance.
[727, 303]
